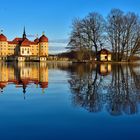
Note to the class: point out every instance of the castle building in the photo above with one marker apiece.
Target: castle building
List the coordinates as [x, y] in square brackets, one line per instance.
[22, 49]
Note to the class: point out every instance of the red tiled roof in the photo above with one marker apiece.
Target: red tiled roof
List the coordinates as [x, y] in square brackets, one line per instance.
[15, 41]
[36, 40]
[3, 84]
[33, 43]
[10, 42]
[43, 84]
[25, 81]
[36, 82]
[12, 81]
[18, 39]
[104, 51]
[43, 38]
[25, 42]
[3, 38]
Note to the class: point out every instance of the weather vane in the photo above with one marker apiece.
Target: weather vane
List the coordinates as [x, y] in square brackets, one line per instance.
[43, 33]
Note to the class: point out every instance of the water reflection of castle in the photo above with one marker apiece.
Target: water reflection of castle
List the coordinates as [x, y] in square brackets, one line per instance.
[22, 74]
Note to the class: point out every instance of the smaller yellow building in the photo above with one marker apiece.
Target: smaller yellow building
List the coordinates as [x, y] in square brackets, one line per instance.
[104, 55]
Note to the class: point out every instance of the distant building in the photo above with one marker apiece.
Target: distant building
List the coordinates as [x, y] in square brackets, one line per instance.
[104, 55]
[22, 48]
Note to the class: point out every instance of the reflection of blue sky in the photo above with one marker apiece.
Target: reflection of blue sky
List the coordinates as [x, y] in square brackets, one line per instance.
[52, 115]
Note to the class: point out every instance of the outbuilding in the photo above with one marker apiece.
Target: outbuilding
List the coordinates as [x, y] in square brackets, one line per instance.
[104, 55]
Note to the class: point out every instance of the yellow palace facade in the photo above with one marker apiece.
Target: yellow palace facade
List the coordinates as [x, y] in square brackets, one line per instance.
[22, 49]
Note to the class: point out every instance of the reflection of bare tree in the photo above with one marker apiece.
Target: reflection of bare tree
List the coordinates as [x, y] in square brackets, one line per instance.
[84, 88]
[122, 91]
[119, 92]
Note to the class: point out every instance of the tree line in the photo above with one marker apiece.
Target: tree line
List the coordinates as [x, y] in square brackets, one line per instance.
[118, 32]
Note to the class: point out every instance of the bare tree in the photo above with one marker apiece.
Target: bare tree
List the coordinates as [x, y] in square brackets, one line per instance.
[88, 33]
[123, 33]
[115, 30]
[76, 39]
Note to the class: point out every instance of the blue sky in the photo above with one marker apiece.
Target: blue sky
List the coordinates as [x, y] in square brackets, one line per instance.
[53, 16]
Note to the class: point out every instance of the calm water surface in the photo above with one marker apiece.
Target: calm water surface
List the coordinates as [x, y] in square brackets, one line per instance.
[69, 102]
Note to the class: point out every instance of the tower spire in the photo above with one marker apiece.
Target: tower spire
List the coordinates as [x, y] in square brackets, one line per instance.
[24, 33]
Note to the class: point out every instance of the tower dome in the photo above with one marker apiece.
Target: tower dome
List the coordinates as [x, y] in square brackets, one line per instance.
[3, 38]
[43, 38]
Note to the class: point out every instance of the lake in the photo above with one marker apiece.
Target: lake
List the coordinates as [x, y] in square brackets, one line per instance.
[69, 101]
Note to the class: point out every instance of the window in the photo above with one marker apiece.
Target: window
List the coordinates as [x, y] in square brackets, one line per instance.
[106, 57]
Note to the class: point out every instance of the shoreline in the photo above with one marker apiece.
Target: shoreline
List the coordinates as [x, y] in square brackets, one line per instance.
[77, 62]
